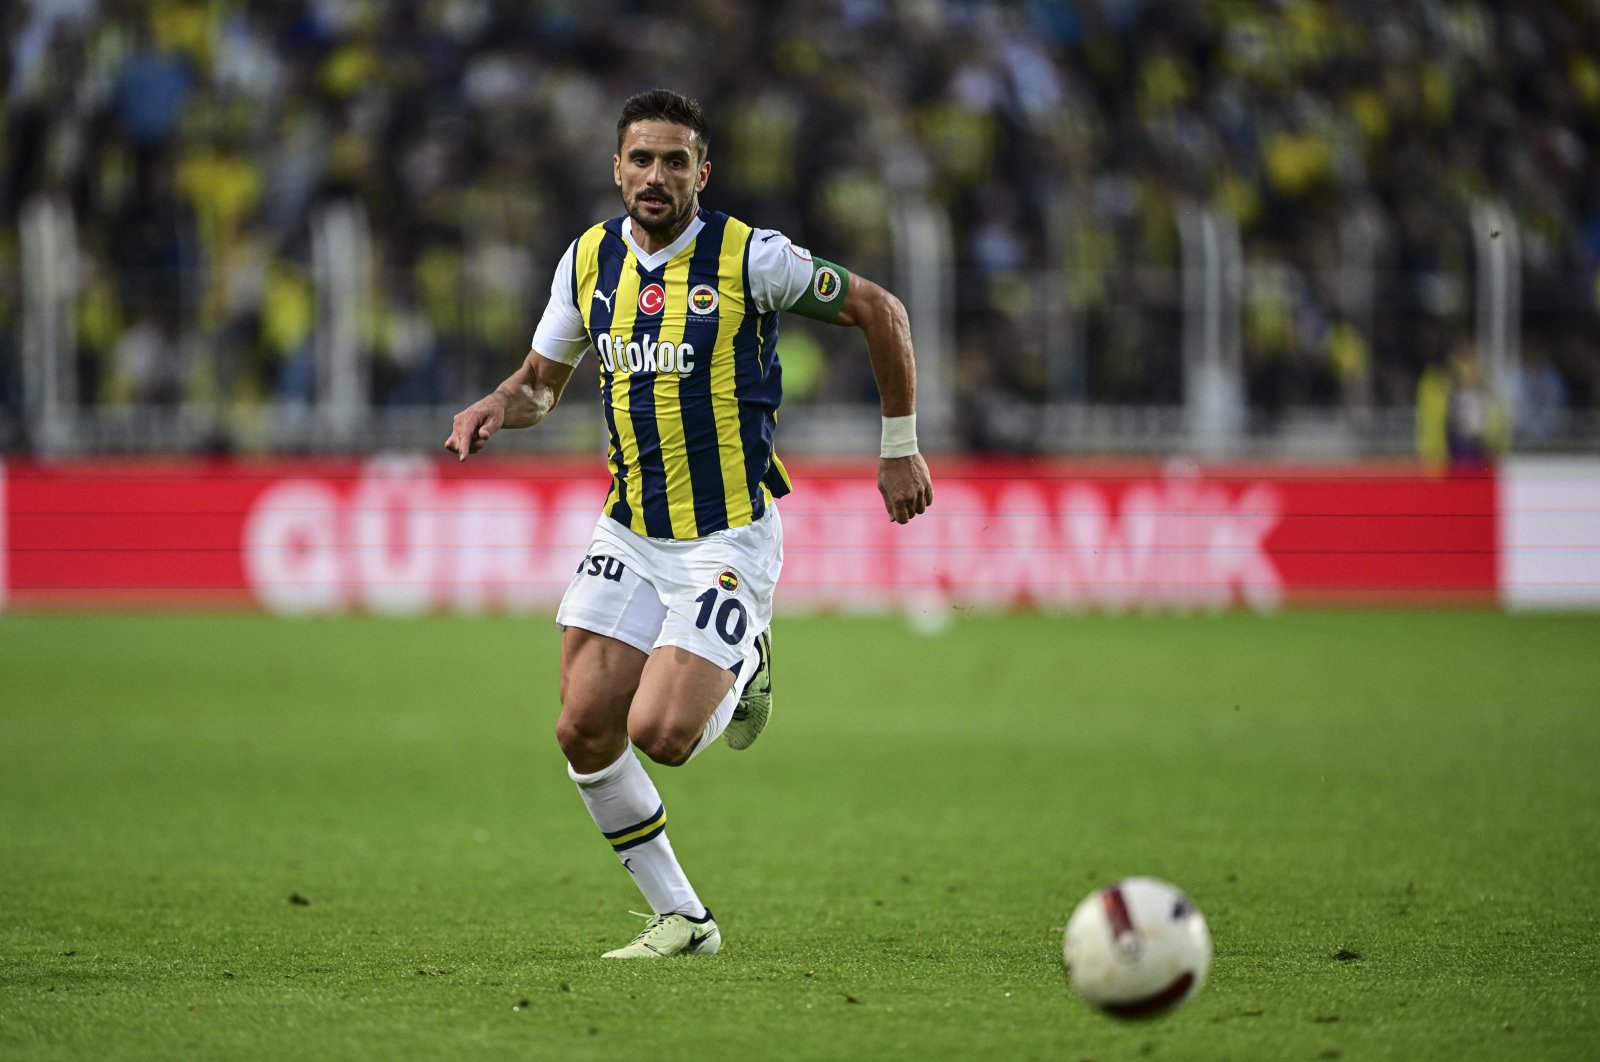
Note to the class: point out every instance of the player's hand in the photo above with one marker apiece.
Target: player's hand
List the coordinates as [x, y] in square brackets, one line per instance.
[906, 487]
[472, 427]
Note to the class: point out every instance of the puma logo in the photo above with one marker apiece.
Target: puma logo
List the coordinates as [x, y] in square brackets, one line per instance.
[606, 298]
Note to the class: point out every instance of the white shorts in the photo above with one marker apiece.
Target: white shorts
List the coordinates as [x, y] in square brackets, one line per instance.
[709, 595]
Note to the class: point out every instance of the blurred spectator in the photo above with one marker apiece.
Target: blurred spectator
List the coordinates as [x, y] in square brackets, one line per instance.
[151, 89]
[199, 139]
[1459, 421]
[1538, 395]
[148, 362]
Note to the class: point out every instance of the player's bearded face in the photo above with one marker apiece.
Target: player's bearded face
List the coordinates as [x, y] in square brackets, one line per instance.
[660, 174]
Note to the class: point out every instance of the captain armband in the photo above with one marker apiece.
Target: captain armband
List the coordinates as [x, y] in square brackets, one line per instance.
[824, 297]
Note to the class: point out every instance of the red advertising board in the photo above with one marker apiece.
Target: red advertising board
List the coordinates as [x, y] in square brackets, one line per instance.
[415, 534]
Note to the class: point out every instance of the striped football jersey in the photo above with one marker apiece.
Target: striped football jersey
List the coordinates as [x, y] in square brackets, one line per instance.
[689, 377]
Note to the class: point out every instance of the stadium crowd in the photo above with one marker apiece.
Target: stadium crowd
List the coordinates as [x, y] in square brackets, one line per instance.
[196, 141]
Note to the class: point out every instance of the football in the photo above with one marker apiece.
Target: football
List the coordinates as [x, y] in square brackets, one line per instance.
[1138, 948]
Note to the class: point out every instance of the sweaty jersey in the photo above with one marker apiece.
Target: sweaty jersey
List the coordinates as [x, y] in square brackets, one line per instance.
[690, 383]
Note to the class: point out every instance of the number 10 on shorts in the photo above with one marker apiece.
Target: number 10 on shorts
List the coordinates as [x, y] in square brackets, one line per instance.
[731, 619]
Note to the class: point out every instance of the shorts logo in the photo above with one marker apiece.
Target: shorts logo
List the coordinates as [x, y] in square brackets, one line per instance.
[652, 299]
[800, 253]
[729, 580]
[599, 564]
[703, 299]
[825, 285]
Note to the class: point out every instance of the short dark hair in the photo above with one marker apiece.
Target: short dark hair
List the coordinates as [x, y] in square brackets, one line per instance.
[664, 105]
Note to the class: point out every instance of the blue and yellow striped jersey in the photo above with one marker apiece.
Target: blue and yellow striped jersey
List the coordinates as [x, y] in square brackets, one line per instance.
[689, 379]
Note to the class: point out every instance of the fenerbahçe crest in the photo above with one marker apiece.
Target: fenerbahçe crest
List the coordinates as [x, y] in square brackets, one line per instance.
[703, 299]
[729, 580]
[825, 284]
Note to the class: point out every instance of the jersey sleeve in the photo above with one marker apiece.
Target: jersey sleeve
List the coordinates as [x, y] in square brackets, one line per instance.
[561, 335]
[780, 272]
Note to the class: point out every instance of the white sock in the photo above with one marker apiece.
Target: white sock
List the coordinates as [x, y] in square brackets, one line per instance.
[718, 722]
[625, 805]
[724, 714]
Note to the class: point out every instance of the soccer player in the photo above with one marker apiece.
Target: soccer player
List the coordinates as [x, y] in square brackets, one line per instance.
[665, 627]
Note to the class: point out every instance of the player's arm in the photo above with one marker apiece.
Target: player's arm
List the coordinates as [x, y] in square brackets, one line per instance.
[522, 401]
[839, 298]
[529, 394]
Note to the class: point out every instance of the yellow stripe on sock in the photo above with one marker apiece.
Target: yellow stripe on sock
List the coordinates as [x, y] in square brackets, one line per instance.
[633, 835]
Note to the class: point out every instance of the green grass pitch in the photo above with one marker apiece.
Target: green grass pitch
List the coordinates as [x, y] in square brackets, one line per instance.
[240, 837]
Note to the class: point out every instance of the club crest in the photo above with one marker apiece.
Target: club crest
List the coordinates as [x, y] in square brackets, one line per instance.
[703, 299]
[825, 285]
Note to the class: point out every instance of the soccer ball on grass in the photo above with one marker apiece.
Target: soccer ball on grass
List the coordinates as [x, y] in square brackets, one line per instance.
[1138, 948]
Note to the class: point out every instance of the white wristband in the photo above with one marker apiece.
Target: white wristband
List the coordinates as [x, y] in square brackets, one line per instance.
[899, 436]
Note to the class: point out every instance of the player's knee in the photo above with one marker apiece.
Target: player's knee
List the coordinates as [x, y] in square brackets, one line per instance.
[586, 746]
[663, 741]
